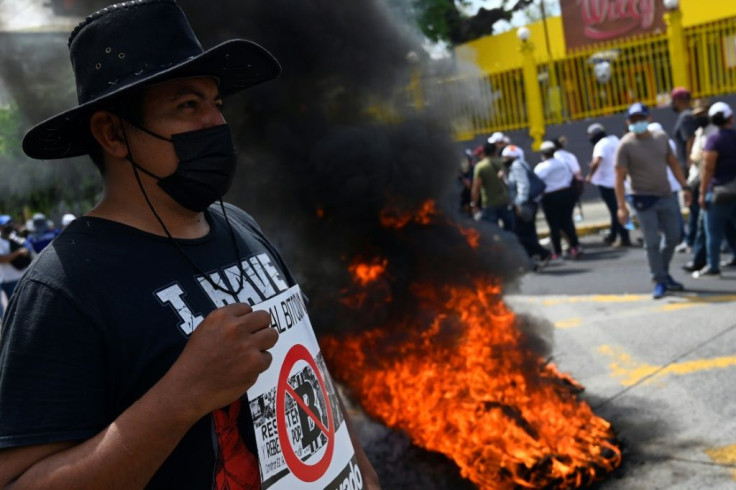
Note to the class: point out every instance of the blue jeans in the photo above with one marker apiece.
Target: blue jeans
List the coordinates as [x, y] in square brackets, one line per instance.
[716, 218]
[493, 214]
[663, 215]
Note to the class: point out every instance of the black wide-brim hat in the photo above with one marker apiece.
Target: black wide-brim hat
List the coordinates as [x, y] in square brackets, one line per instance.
[131, 45]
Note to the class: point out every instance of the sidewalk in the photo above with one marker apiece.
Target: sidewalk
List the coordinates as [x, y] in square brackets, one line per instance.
[593, 219]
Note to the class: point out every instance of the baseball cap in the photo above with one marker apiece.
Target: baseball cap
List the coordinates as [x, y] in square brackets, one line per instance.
[513, 151]
[5, 219]
[637, 109]
[497, 137]
[680, 93]
[547, 146]
[721, 107]
[595, 128]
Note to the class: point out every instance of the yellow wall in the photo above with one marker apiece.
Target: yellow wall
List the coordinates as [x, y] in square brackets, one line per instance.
[493, 54]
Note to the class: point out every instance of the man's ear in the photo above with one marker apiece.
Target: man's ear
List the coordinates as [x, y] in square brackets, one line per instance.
[107, 130]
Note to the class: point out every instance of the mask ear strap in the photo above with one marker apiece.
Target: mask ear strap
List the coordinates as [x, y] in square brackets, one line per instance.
[136, 167]
[147, 131]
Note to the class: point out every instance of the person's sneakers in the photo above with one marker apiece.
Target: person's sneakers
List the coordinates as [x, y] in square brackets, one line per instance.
[706, 272]
[574, 253]
[660, 289]
[729, 263]
[608, 239]
[692, 267]
[682, 248]
[540, 263]
[554, 258]
[673, 285]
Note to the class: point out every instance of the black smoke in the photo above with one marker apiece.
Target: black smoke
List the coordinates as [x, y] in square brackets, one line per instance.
[338, 139]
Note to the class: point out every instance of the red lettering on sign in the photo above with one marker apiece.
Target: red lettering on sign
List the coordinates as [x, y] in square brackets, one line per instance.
[626, 14]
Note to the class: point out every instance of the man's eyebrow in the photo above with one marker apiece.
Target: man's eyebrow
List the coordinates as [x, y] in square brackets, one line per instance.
[184, 91]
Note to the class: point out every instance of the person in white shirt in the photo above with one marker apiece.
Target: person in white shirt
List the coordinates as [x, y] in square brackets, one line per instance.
[603, 176]
[558, 201]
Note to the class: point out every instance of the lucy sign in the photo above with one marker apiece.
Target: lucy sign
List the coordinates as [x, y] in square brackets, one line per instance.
[595, 21]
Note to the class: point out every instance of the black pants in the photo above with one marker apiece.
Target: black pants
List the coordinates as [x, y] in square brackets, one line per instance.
[609, 197]
[526, 232]
[558, 207]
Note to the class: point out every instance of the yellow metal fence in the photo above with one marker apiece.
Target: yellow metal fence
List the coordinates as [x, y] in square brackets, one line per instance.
[577, 86]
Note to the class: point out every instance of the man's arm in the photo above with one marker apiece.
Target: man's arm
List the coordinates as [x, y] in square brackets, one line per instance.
[231, 342]
[475, 192]
[680, 177]
[593, 168]
[623, 209]
[4, 259]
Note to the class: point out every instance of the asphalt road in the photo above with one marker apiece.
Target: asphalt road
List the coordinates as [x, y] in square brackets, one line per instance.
[661, 371]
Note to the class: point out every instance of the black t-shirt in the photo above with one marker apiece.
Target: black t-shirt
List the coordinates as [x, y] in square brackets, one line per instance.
[101, 316]
[684, 129]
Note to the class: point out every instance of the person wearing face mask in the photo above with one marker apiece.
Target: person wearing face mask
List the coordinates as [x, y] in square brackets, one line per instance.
[644, 157]
[525, 192]
[718, 185]
[602, 175]
[130, 343]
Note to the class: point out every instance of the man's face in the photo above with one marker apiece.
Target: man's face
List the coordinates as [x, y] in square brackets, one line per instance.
[169, 108]
[637, 118]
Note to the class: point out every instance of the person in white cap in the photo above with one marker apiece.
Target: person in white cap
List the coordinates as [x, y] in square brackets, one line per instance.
[558, 201]
[500, 140]
[525, 191]
[718, 185]
[602, 174]
[644, 157]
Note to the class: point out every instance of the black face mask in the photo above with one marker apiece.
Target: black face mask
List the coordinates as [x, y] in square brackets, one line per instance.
[206, 168]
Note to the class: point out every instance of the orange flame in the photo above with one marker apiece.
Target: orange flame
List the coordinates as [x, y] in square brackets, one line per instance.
[365, 273]
[507, 418]
[392, 218]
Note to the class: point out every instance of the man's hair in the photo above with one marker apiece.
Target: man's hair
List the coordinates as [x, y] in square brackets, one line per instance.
[129, 107]
[720, 119]
[489, 149]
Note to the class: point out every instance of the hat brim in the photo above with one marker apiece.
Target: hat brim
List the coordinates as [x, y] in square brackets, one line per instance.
[237, 64]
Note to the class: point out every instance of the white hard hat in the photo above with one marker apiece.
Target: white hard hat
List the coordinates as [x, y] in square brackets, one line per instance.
[547, 146]
[497, 137]
[513, 151]
[67, 218]
[721, 107]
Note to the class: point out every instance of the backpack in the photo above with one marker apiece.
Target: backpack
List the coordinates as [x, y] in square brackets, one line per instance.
[536, 185]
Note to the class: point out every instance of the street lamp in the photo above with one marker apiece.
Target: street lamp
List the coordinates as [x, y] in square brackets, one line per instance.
[523, 33]
[671, 4]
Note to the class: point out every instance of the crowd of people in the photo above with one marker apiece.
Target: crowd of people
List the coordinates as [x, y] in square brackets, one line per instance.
[644, 170]
[19, 244]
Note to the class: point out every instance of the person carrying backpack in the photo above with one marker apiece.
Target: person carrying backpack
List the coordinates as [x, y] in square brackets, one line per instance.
[525, 191]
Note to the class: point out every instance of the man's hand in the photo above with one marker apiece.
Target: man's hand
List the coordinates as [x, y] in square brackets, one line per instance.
[687, 196]
[623, 215]
[223, 357]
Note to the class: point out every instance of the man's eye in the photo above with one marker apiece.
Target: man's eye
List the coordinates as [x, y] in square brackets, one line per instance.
[189, 104]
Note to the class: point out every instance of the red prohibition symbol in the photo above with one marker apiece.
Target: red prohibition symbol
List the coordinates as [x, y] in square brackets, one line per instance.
[304, 472]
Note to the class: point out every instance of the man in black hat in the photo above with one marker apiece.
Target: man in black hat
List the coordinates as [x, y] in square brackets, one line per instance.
[130, 343]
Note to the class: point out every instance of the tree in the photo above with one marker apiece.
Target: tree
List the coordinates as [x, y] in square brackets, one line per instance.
[445, 20]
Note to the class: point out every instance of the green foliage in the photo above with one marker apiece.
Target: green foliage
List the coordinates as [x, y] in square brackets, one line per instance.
[446, 20]
[28, 186]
